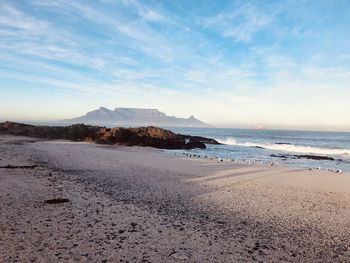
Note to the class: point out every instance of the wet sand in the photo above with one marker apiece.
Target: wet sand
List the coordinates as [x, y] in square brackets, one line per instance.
[131, 204]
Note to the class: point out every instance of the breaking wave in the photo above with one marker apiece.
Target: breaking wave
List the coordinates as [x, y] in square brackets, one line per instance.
[287, 147]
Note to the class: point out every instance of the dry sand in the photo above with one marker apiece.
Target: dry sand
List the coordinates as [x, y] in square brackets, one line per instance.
[142, 205]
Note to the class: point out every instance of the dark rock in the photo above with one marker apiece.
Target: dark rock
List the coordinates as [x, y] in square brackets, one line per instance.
[196, 144]
[279, 156]
[142, 136]
[315, 157]
[304, 156]
[198, 139]
[258, 147]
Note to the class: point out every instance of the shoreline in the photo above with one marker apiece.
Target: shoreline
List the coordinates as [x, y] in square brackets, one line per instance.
[252, 163]
[144, 205]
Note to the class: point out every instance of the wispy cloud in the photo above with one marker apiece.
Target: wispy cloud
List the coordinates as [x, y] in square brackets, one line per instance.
[145, 12]
[145, 39]
[242, 22]
[13, 18]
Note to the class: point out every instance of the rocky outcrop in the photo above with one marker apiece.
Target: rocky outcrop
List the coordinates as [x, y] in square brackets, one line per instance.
[304, 156]
[142, 136]
[78, 132]
[198, 138]
[315, 157]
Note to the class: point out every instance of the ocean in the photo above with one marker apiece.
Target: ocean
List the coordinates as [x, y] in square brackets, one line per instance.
[288, 148]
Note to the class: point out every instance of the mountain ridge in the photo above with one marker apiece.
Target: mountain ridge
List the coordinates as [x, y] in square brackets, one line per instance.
[135, 116]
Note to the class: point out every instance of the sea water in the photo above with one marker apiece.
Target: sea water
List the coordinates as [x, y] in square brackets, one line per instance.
[284, 147]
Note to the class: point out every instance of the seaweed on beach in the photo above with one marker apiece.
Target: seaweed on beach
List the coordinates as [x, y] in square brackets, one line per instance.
[56, 201]
[9, 166]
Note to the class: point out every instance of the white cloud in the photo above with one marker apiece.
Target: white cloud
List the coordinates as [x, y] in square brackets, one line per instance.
[145, 12]
[13, 18]
[241, 23]
[146, 39]
[152, 15]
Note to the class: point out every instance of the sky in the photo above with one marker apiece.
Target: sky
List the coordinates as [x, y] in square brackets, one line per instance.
[281, 64]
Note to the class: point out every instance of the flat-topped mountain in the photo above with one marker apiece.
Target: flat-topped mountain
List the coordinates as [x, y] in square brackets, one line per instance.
[135, 117]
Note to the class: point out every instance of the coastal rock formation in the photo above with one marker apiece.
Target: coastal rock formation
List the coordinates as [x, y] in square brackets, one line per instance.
[198, 138]
[304, 156]
[142, 136]
[78, 132]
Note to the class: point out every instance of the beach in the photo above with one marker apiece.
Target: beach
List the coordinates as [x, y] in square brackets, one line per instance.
[139, 204]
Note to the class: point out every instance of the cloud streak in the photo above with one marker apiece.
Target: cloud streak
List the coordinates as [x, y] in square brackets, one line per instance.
[242, 22]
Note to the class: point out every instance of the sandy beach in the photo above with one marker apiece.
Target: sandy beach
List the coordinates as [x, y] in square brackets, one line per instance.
[133, 204]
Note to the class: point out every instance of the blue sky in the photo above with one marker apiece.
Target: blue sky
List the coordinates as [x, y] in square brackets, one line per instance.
[283, 64]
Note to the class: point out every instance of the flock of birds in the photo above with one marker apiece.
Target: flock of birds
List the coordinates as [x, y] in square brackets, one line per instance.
[273, 163]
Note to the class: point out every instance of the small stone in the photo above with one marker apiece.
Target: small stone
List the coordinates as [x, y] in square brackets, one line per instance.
[180, 255]
[83, 259]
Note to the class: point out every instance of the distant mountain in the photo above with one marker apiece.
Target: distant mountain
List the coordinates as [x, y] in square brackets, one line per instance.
[135, 117]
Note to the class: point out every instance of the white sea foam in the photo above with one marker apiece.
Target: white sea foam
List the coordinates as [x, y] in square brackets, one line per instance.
[288, 147]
